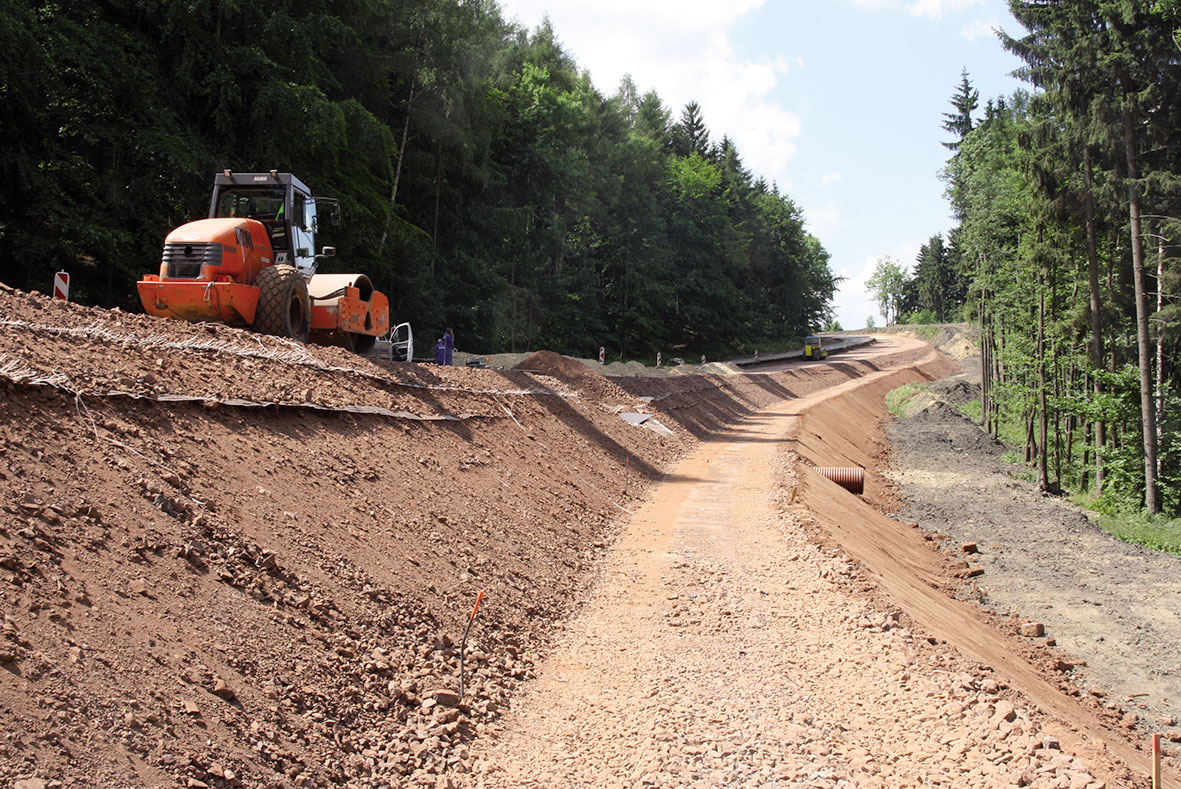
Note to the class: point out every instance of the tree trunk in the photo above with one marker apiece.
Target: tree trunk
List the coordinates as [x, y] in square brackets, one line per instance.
[1085, 479]
[1096, 309]
[986, 378]
[1147, 402]
[1043, 481]
[1071, 423]
[1160, 358]
[1030, 436]
[398, 170]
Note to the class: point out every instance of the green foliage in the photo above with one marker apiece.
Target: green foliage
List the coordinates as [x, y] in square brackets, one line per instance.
[1157, 532]
[1043, 186]
[886, 286]
[925, 331]
[922, 317]
[965, 101]
[485, 183]
[898, 400]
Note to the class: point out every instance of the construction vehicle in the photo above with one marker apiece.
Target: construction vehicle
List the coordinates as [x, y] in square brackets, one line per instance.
[814, 347]
[253, 262]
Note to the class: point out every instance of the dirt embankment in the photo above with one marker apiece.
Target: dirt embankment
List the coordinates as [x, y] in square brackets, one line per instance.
[1111, 610]
[230, 560]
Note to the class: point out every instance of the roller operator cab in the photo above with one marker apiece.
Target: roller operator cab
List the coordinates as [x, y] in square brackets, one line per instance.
[253, 262]
[814, 347]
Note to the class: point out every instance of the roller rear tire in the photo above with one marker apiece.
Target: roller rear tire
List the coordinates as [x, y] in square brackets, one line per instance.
[284, 308]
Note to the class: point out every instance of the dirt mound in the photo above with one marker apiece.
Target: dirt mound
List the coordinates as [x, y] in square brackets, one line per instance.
[574, 374]
[957, 390]
[230, 559]
[941, 423]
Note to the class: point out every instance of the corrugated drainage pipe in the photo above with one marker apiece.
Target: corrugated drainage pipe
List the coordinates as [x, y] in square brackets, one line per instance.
[851, 479]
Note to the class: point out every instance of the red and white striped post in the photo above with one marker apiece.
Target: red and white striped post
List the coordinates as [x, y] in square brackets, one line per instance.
[61, 285]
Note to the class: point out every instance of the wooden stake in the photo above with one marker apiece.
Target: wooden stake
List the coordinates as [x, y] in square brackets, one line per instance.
[463, 643]
[1156, 784]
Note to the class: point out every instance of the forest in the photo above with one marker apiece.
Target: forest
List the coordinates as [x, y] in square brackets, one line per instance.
[1067, 200]
[486, 184]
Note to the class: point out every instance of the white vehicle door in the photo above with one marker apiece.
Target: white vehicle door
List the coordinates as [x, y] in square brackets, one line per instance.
[303, 234]
[402, 343]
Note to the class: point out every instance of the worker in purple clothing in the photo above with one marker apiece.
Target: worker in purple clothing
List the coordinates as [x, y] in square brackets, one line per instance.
[440, 352]
[449, 343]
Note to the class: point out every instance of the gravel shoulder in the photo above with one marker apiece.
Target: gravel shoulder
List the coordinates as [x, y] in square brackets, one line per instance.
[1112, 608]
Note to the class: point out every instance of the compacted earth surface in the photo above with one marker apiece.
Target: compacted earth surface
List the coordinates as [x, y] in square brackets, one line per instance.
[1112, 608]
[231, 560]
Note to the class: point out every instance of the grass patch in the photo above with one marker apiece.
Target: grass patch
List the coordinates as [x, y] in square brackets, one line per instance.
[925, 332]
[1151, 531]
[1009, 432]
[897, 399]
[1158, 532]
[973, 409]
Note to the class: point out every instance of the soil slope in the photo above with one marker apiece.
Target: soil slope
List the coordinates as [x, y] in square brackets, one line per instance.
[230, 560]
[1114, 608]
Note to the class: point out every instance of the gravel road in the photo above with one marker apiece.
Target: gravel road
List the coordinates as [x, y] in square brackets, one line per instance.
[723, 647]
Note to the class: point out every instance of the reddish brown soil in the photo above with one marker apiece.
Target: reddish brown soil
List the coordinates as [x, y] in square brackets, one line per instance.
[230, 560]
[721, 646]
[907, 565]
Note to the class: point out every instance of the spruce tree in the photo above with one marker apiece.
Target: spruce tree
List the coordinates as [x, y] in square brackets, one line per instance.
[965, 101]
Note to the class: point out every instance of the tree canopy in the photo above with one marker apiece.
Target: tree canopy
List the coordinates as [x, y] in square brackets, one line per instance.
[1066, 248]
[485, 182]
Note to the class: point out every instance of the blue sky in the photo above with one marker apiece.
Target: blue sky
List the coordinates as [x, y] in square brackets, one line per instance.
[839, 102]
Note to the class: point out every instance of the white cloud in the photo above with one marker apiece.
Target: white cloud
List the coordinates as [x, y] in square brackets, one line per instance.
[852, 302]
[822, 220]
[693, 59]
[937, 9]
[831, 178]
[930, 9]
[981, 28]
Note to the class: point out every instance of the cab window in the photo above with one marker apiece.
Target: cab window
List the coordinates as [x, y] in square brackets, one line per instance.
[262, 203]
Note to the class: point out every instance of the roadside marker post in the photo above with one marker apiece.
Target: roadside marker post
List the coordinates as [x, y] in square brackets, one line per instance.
[61, 285]
[602, 355]
[1156, 784]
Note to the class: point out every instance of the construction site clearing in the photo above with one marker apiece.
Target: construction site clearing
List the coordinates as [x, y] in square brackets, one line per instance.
[229, 559]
